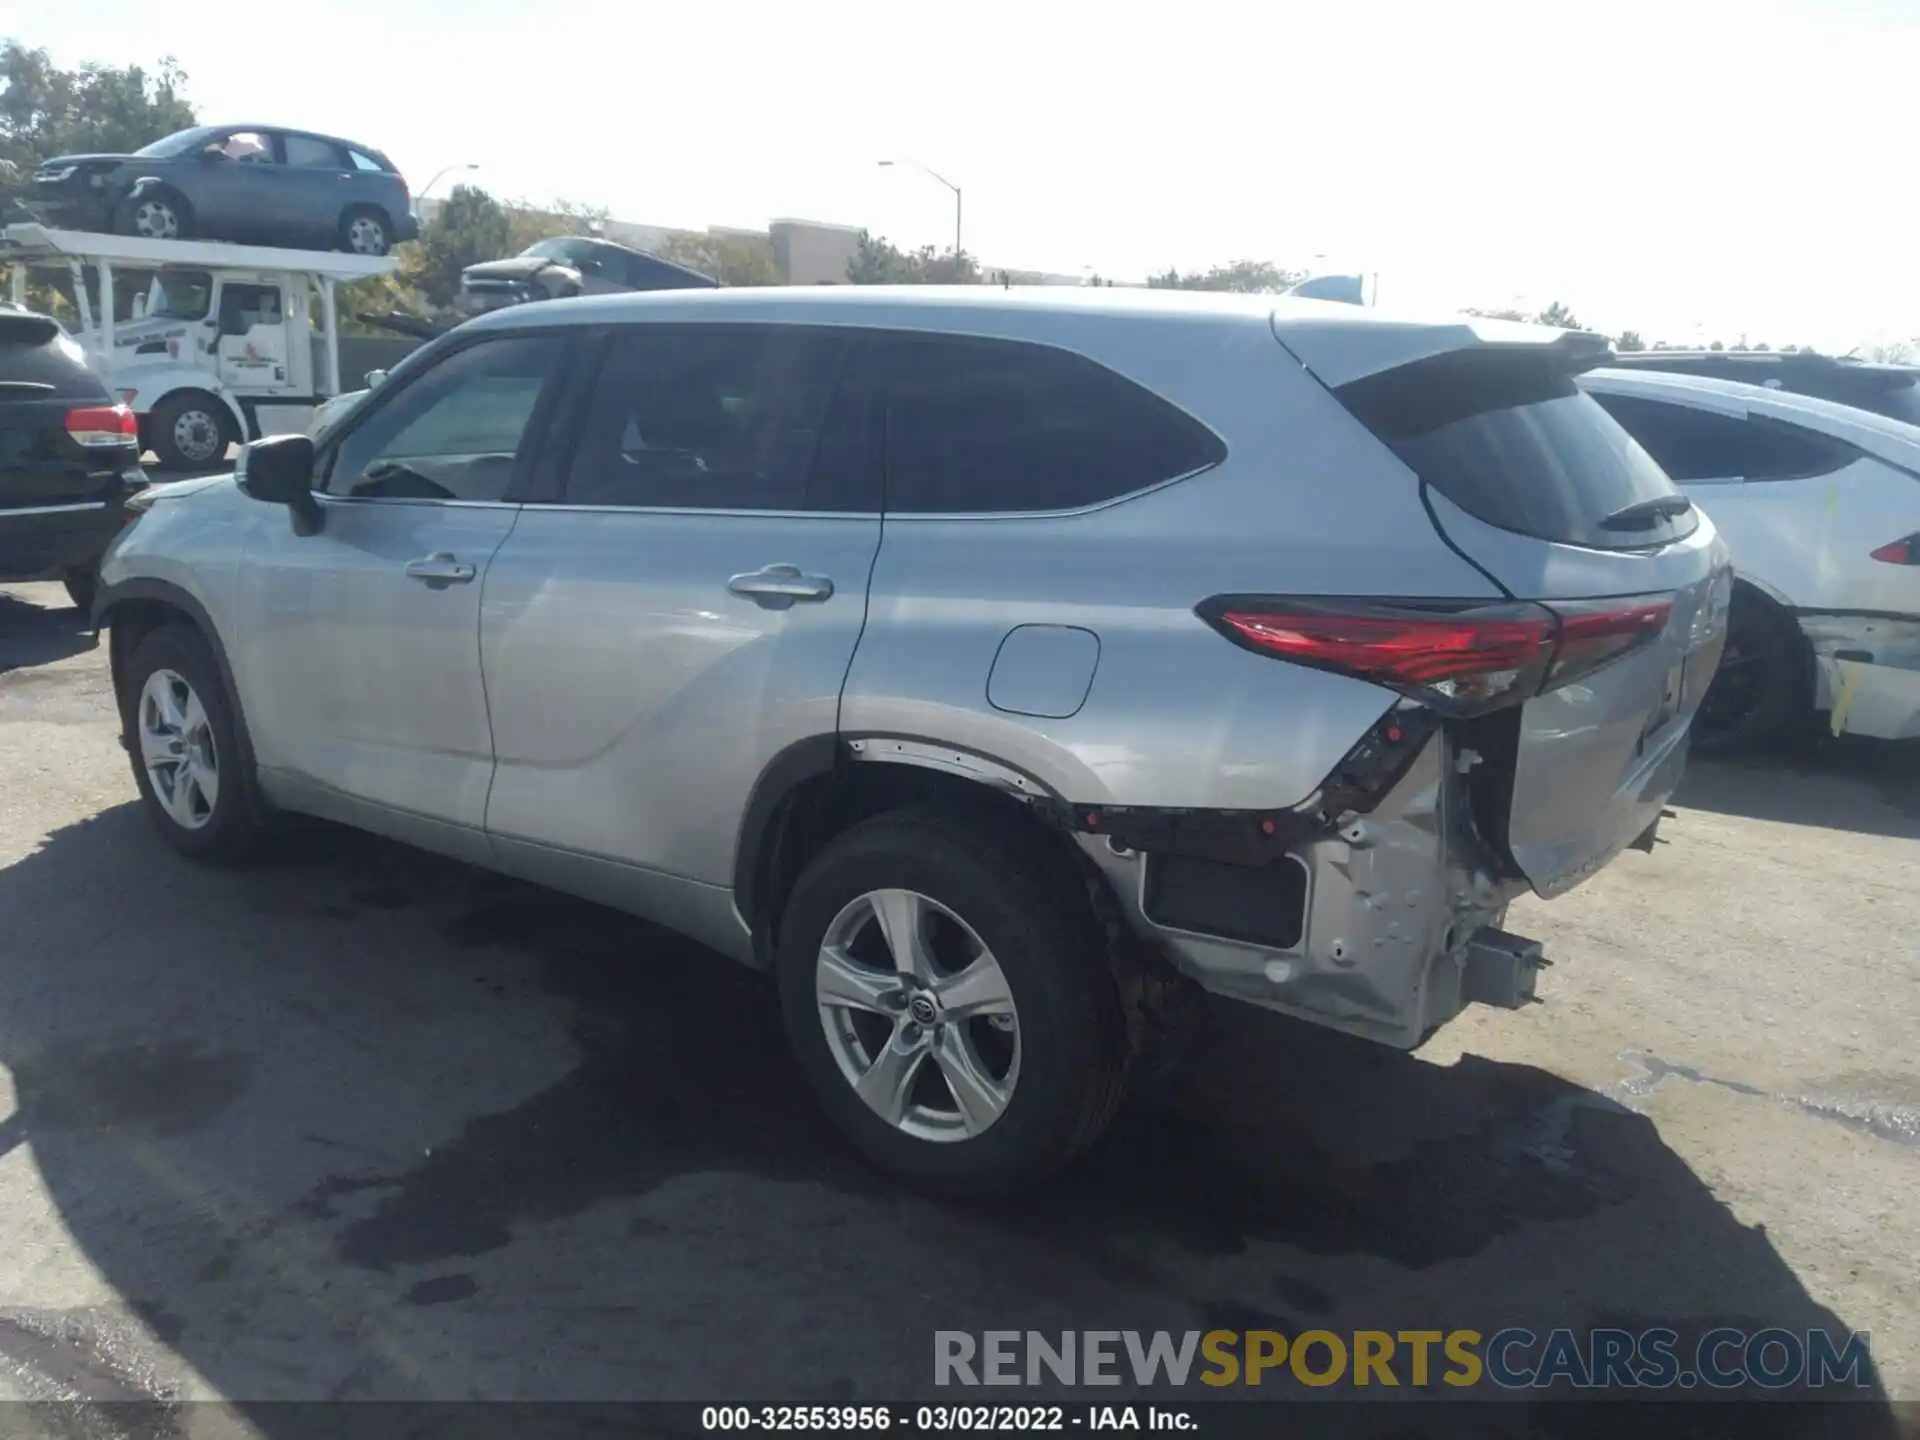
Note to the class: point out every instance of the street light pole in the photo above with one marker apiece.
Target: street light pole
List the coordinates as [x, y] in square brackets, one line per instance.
[936, 175]
[440, 175]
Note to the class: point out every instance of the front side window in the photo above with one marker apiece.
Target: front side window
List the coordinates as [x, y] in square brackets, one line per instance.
[705, 417]
[307, 153]
[996, 425]
[247, 147]
[456, 431]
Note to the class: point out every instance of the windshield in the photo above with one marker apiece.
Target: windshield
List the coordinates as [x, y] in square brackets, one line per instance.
[557, 249]
[181, 142]
[180, 295]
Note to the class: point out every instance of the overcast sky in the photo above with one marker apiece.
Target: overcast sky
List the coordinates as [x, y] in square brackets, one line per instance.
[1689, 168]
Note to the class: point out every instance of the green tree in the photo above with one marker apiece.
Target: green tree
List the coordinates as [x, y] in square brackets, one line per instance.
[730, 259]
[1629, 341]
[1246, 277]
[47, 111]
[1558, 316]
[878, 262]
[1716, 346]
[468, 227]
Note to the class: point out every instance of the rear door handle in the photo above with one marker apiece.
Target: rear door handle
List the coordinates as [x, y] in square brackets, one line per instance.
[439, 570]
[776, 587]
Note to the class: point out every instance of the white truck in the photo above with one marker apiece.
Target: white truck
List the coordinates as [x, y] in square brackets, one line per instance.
[224, 343]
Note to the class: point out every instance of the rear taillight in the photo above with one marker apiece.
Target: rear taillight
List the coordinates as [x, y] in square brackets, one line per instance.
[1900, 552]
[95, 426]
[1595, 634]
[1461, 658]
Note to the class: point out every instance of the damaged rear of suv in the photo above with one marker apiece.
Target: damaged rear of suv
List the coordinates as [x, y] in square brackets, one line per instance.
[979, 663]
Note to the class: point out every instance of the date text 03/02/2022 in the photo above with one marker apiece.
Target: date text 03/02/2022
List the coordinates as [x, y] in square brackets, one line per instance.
[934, 1419]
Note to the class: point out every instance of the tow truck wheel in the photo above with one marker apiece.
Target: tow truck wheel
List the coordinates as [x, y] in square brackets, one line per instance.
[152, 217]
[364, 232]
[191, 432]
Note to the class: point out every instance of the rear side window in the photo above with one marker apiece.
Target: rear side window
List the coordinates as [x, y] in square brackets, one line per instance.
[366, 162]
[707, 417]
[38, 365]
[992, 426]
[1695, 444]
[1508, 437]
[306, 153]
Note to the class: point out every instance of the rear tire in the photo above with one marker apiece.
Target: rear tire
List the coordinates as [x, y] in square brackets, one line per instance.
[81, 586]
[191, 431]
[1040, 1062]
[196, 783]
[1763, 690]
[365, 231]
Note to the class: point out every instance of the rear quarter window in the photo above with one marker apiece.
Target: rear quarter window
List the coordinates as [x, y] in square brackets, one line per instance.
[998, 426]
[1507, 436]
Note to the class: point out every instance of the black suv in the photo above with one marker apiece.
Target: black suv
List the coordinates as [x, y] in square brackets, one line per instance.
[571, 265]
[68, 457]
[1889, 390]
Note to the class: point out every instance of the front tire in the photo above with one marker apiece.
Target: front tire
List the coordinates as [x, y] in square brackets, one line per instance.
[183, 736]
[191, 432]
[947, 995]
[153, 217]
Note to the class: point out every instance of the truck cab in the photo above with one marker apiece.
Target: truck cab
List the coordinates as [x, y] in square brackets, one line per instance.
[214, 345]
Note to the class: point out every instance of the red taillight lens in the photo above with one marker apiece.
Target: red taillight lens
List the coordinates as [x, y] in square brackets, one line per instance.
[1459, 659]
[1592, 635]
[1900, 552]
[100, 425]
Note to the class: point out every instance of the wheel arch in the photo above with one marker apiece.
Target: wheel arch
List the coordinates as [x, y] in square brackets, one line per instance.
[132, 609]
[819, 787]
[146, 185]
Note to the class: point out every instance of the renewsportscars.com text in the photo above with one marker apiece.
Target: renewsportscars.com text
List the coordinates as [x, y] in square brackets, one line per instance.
[1513, 1358]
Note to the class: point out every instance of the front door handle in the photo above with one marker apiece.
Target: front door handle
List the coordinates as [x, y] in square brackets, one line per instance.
[776, 587]
[440, 570]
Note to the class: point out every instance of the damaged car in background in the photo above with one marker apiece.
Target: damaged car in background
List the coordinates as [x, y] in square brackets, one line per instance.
[569, 265]
[1819, 504]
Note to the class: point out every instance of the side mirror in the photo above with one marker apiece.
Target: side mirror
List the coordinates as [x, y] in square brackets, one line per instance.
[374, 379]
[279, 471]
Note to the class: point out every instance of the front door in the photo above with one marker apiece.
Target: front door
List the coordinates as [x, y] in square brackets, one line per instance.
[252, 339]
[361, 675]
[689, 607]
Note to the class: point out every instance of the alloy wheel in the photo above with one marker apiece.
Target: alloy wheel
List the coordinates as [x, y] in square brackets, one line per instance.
[918, 1015]
[196, 435]
[177, 750]
[156, 220]
[366, 236]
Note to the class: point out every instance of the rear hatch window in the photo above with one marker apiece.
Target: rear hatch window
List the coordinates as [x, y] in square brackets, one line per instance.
[1506, 435]
[39, 362]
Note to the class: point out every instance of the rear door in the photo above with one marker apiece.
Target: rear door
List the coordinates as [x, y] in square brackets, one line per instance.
[685, 603]
[1537, 486]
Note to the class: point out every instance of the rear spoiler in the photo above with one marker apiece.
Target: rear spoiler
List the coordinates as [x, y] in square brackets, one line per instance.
[23, 327]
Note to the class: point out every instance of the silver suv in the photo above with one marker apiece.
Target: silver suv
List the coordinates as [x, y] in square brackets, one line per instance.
[979, 663]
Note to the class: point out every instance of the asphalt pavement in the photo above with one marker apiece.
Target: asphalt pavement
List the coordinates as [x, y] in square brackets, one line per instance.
[357, 1122]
